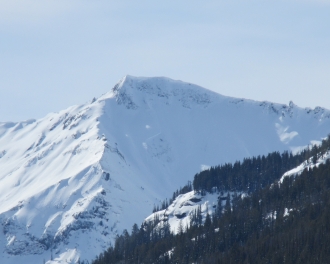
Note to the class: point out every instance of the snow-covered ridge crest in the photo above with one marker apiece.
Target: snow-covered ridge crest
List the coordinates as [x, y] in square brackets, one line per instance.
[71, 181]
[137, 91]
[307, 164]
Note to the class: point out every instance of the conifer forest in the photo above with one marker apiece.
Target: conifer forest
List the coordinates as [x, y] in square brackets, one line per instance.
[277, 222]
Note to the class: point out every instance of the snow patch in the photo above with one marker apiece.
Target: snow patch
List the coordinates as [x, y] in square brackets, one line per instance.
[205, 167]
[184, 206]
[287, 212]
[285, 136]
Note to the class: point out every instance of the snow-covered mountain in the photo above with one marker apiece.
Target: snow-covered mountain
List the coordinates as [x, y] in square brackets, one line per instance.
[71, 181]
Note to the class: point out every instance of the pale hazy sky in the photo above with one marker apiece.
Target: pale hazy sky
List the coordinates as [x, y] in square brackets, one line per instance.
[57, 53]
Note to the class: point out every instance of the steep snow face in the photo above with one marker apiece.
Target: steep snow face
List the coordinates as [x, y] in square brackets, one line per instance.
[51, 184]
[73, 180]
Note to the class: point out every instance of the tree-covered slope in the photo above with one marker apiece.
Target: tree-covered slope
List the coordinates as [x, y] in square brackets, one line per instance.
[287, 221]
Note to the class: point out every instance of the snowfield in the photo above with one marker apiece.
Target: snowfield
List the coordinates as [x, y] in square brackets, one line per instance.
[73, 180]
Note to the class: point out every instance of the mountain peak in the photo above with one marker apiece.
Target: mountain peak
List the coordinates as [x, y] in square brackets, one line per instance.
[134, 92]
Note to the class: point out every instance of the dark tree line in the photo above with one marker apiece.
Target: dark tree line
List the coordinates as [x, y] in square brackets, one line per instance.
[279, 223]
[254, 173]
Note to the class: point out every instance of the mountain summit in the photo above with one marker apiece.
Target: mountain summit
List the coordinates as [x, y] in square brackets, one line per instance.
[73, 180]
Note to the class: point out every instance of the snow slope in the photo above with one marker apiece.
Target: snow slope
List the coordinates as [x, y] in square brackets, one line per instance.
[71, 181]
[307, 164]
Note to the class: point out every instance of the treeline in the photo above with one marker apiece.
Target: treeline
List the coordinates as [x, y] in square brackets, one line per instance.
[280, 223]
[254, 173]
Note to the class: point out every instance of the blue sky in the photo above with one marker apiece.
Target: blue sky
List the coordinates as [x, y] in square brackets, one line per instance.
[57, 53]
